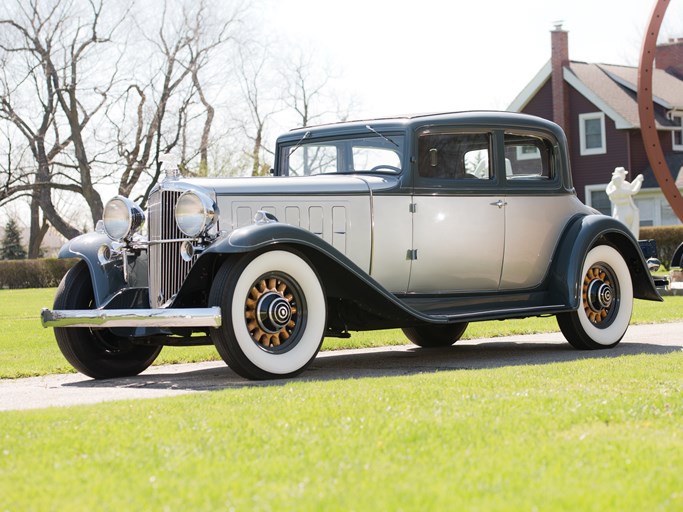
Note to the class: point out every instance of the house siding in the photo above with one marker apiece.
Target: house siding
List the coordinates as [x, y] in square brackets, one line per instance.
[639, 160]
[594, 169]
[586, 170]
[541, 104]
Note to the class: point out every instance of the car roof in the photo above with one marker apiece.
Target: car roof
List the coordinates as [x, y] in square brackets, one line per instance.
[401, 123]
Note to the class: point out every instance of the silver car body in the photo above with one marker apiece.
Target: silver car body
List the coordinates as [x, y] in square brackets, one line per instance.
[407, 222]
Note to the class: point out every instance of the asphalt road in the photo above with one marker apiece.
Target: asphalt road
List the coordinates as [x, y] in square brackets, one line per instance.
[170, 380]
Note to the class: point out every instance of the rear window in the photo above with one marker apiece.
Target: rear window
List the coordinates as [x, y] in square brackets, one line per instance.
[527, 157]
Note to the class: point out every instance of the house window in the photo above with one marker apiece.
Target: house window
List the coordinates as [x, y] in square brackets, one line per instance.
[528, 153]
[596, 197]
[592, 133]
[527, 157]
[677, 133]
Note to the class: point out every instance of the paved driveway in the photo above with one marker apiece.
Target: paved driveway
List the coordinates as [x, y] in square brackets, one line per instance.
[76, 389]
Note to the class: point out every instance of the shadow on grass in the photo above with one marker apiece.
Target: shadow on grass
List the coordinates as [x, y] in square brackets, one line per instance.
[383, 362]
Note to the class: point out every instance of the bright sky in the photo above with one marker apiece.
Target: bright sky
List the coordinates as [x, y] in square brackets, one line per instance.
[407, 56]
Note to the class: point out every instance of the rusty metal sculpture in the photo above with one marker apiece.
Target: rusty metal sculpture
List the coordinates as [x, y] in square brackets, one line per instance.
[648, 128]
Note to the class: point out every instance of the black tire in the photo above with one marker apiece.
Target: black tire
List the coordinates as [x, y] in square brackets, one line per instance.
[274, 314]
[433, 336]
[96, 353]
[606, 302]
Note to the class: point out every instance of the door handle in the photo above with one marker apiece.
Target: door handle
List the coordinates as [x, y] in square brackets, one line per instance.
[500, 203]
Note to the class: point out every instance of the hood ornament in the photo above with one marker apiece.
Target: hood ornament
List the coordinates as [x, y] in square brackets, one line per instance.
[170, 165]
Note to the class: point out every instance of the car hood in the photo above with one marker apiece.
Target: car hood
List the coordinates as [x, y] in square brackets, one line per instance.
[328, 184]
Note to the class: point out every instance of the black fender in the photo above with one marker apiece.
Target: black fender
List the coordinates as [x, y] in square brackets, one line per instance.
[107, 278]
[341, 278]
[677, 258]
[582, 234]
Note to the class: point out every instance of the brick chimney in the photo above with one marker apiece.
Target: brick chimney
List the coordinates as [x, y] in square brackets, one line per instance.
[669, 57]
[559, 59]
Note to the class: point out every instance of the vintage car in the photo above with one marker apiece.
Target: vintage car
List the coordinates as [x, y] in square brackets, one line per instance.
[424, 223]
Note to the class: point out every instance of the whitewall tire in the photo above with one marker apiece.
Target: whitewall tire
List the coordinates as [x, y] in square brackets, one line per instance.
[274, 314]
[606, 301]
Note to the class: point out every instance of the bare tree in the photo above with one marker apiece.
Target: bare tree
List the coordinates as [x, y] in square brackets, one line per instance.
[309, 91]
[305, 88]
[157, 112]
[45, 45]
[90, 98]
[253, 64]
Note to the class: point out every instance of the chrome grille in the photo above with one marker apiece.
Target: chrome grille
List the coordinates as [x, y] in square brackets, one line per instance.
[167, 270]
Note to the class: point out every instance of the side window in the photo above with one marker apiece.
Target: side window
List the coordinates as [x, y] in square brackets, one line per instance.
[527, 157]
[455, 156]
[312, 159]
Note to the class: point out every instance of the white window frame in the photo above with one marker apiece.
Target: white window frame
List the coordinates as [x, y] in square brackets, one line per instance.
[672, 115]
[588, 192]
[582, 133]
[535, 155]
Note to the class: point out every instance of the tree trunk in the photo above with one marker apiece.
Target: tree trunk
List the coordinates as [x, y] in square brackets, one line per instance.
[37, 231]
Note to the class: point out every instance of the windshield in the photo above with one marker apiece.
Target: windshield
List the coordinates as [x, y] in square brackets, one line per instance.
[342, 156]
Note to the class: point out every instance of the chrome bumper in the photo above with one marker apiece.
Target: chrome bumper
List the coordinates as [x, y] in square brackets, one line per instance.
[190, 317]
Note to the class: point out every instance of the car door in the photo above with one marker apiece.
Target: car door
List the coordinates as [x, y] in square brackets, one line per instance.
[458, 214]
[537, 208]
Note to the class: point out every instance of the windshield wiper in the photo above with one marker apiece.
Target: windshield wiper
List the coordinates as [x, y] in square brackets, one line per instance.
[381, 135]
[298, 144]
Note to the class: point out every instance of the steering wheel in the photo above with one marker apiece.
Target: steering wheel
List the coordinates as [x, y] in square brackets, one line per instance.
[385, 166]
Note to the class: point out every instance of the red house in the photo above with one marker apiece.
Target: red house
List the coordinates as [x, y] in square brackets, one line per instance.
[596, 104]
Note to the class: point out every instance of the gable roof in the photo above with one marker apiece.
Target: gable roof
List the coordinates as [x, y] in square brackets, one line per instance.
[612, 89]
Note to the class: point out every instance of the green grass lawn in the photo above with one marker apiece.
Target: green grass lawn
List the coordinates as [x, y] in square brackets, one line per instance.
[27, 349]
[600, 434]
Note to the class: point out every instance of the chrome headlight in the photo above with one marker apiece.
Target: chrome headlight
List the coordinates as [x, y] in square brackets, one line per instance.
[195, 213]
[122, 217]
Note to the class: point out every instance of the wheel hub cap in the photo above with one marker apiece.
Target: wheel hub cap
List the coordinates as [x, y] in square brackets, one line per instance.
[273, 312]
[599, 297]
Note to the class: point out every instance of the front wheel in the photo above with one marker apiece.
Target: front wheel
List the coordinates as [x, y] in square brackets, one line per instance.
[274, 314]
[97, 353]
[606, 302]
[433, 336]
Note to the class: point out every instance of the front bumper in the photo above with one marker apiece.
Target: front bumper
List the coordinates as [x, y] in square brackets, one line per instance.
[181, 317]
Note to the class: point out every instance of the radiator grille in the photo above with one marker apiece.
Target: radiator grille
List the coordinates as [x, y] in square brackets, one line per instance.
[167, 270]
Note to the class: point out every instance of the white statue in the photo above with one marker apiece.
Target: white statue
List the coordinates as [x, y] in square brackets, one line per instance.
[620, 193]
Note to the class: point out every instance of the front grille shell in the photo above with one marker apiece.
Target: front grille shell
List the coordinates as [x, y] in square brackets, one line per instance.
[167, 269]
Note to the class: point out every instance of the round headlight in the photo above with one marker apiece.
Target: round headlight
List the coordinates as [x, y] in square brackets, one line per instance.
[122, 217]
[194, 213]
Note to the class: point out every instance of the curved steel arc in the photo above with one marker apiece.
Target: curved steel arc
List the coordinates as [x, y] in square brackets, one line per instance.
[648, 128]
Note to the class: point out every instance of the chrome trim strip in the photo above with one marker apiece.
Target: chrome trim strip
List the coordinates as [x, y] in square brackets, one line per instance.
[179, 317]
[372, 223]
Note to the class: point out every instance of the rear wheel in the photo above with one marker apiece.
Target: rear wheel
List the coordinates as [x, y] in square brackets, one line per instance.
[96, 353]
[606, 302]
[432, 336]
[274, 314]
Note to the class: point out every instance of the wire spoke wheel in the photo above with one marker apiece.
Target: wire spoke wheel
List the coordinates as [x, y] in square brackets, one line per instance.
[600, 295]
[274, 311]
